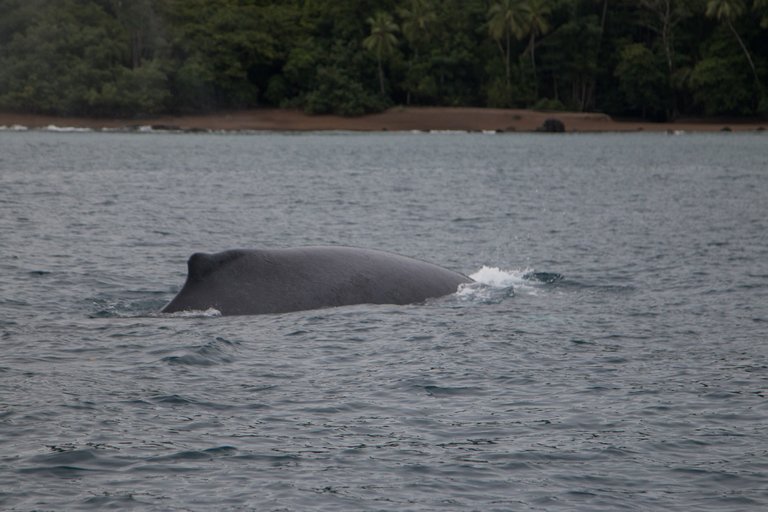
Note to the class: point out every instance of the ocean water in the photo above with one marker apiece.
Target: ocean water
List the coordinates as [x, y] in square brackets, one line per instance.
[614, 355]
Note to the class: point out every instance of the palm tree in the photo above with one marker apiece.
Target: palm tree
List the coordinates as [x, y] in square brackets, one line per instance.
[418, 20]
[504, 19]
[534, 16]
[726, 11]
[521, 18]
[418, 23]
[382, 41]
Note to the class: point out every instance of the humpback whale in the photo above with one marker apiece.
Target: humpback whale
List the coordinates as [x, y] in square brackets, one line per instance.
[258, 281]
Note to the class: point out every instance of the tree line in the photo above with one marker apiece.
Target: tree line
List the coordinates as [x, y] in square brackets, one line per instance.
[656, 59]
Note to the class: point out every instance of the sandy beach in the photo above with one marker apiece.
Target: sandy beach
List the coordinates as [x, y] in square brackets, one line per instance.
[394, 119]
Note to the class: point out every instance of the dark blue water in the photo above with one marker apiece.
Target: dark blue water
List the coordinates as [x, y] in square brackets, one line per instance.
[635, 381]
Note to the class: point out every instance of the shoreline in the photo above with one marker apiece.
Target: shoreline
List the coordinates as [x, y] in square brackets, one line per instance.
[404, 119]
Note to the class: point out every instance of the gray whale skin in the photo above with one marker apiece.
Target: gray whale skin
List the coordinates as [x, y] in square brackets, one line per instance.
[251, 282]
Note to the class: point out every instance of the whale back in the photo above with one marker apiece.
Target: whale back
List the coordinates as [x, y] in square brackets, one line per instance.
[240, 282]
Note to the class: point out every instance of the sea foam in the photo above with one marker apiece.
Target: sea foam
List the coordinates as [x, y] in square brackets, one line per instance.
[493, 284]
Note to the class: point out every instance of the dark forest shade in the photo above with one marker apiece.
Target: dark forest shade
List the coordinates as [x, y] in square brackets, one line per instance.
[657, 59]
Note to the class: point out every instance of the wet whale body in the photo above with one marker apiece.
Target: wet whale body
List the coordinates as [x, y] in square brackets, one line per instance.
[251, 282]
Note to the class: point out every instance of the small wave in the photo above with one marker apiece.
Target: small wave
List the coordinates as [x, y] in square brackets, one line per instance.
[450, 391]
[598, 287]
[114, 501]
[543, 277]
[173, 399]
[208, 313]
[14, 128]
[109, 307]
[55, 128]
[69, 460]
[188, 455]
[218, 351]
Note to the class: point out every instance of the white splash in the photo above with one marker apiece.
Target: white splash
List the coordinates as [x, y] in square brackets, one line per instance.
[208, 313]
[493, 285]
[498, 278]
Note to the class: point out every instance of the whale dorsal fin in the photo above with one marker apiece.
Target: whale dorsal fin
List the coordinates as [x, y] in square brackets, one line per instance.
[202, 264]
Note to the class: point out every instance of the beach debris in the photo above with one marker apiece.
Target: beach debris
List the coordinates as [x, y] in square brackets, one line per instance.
[552, 125]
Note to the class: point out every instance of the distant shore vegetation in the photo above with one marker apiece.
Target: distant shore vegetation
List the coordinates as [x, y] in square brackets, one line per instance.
[654, 59]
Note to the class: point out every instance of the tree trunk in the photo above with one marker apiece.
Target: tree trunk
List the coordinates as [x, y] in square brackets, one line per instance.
[381, 77]
[590, 100]
[505, 58]
[533, 63]
[666, 36]
[136, 49]
[603, 17]
[506, 61]
[554, 87]
[746, 51]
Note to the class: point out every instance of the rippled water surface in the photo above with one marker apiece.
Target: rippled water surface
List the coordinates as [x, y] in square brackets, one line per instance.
[631, 373]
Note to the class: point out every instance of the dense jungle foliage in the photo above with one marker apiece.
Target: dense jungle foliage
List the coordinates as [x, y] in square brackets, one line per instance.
[658, 59]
